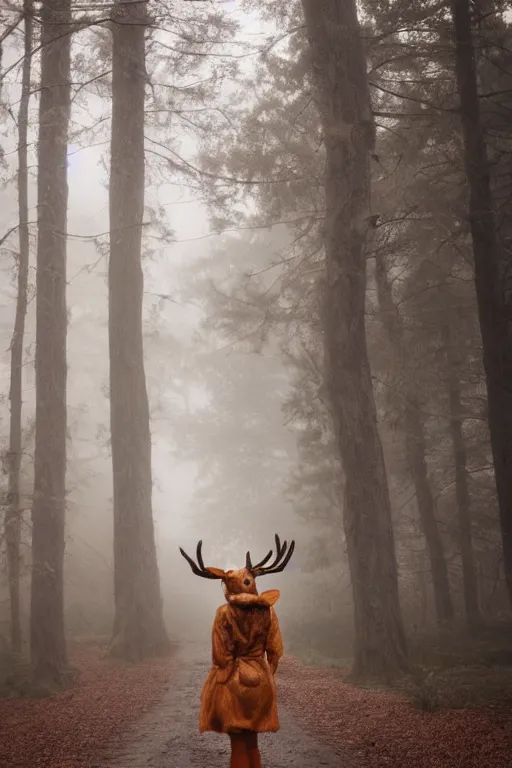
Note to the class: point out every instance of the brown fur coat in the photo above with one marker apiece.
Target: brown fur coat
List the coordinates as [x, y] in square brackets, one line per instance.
[239, 692]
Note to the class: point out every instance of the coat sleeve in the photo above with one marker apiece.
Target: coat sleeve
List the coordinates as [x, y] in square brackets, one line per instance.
[274, 646]
[222, 646]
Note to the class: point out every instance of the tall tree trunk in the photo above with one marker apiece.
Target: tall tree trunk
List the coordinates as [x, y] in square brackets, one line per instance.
[491, 277]
[47, 640]
[415, 448]
[14, 512]
[139, 629]
[339, 69]
[423, 598]
[469, 575]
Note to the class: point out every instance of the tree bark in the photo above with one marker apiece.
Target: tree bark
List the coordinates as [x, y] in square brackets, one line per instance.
[494, 304]
[47, 640]
[14, 512]
[423, 596]
[139, 629]
[339, 70]
[415, 449]
[469, 575]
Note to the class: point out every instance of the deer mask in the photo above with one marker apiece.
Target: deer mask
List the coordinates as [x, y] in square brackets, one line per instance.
[243, 581]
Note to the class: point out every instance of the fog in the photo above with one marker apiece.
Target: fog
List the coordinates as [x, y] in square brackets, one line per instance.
[180, 358]
[253, 432]
[255, 304]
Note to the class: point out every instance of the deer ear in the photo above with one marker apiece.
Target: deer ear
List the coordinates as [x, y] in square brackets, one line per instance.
[271, 596]
[216, 572]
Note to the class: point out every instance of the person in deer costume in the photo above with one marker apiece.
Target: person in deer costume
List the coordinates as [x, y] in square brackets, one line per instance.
[239, 694]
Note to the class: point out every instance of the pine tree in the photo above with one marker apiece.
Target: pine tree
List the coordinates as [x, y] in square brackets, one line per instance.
[493, 304]
[14, 512]
[47, 638]
[339, 67]
[139, 629]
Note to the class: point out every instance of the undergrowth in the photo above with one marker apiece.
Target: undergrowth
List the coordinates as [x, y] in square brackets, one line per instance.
[15, 677]
[450, 668]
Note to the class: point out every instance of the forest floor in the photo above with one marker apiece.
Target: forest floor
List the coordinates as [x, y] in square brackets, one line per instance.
[145, 716]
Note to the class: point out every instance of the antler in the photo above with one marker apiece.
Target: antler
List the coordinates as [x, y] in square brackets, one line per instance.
[276, 566]
[199, 569]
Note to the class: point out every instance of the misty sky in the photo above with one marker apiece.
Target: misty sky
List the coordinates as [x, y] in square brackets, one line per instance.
[87, 301]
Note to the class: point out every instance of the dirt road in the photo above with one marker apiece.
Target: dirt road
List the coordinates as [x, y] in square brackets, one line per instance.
[168, 737]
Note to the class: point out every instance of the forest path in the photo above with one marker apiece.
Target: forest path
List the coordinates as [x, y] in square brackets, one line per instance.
[168, 737]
